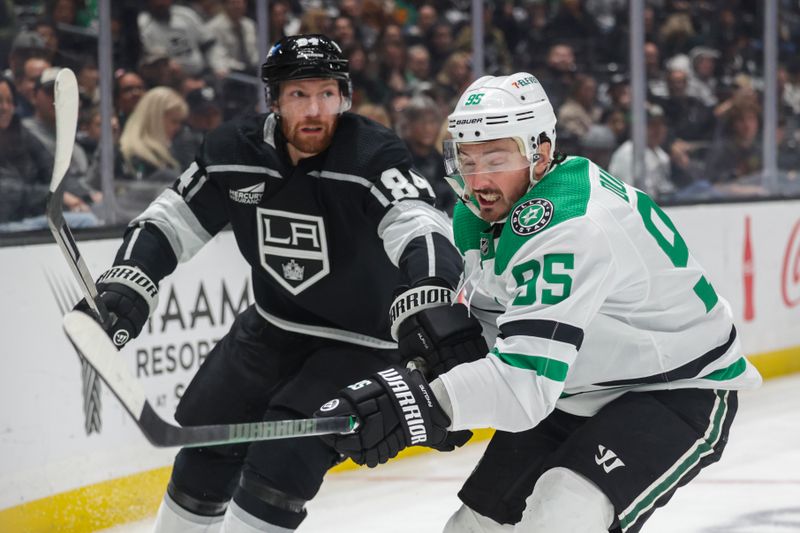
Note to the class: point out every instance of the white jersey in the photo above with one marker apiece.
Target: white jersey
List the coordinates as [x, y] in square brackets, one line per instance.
[587, 291]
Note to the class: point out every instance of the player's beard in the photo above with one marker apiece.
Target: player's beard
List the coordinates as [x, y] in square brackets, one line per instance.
[310, 143]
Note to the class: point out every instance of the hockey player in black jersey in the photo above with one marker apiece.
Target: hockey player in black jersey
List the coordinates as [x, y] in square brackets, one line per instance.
[338, 229]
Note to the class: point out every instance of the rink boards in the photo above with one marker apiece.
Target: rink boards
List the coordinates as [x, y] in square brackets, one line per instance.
[55, 476]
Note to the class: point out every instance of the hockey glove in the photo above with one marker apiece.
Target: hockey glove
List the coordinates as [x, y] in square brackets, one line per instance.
[395, 408]
[130, 297]
[427, 326]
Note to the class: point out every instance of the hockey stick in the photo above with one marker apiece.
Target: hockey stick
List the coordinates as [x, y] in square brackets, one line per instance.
[92, 342]
[66, 104]
[66, 109]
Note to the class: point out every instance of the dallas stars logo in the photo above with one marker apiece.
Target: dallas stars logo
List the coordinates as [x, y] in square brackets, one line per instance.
[531, 216]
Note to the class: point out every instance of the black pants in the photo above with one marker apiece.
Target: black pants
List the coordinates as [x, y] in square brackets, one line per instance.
[260, 372]
[638, 449]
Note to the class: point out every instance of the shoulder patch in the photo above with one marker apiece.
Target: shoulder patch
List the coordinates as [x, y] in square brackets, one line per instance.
[562, 195]
[531, 216]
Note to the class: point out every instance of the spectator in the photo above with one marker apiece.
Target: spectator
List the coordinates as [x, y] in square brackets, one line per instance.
[47, 31]
[26, 44]
[656, 78]
[558, 74]
[788, 154]
[42, 127]
[418, 66]
[128, 90]
[397, 103]
[427, 16]
[368, 20]
[617, 122]
[656, 180]
[178, 32]
[25, 175]
[205, 114]
[392, 62]
[25, 81]
[89, 123]
[89, 81]
[734, 161]
[278, 20]
[534, 44]
[439, 42]
[688, 118]
[343, 30]
[455, 77]
[365, 87]
[148, 161]
[158, 68]
[618, 93]
[580, 110]
[419, 129]
[702, 83]
[147, 137]
[572, 24]
[789, 87]
[72, 44]
[314, 20]
[598, 144]
[235, 39]
[677, 34]
[23, 178]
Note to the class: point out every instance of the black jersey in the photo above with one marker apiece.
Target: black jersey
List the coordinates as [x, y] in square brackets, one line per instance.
[328, 241]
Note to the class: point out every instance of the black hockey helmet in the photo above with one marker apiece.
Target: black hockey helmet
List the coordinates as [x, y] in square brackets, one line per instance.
[300, 57]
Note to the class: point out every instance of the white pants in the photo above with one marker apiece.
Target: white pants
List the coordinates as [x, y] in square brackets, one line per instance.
[562, 501]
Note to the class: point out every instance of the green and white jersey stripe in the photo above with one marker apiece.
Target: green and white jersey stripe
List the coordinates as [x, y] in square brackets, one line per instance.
[687, 462]
[586, 291]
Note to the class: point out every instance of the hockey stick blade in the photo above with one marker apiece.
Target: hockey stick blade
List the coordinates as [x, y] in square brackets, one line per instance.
[94, 345]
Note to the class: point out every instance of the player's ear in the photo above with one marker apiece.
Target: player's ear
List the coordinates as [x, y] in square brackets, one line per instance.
[544, 159]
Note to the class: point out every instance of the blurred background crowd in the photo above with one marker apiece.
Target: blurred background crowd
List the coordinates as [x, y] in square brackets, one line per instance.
[180, 68]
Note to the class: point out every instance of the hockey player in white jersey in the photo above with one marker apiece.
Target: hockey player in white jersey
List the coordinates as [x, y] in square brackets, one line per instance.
[615, 363]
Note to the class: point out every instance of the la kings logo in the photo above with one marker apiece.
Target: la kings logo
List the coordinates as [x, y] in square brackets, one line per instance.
[292, 248]
[531, 216]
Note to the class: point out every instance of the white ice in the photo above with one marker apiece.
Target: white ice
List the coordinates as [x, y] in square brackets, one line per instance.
[755, 488]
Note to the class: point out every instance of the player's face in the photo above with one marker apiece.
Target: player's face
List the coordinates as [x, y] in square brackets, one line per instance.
[309, 110]
[497, 173]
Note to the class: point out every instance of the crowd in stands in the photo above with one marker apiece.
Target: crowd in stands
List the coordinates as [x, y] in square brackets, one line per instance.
[183, 67]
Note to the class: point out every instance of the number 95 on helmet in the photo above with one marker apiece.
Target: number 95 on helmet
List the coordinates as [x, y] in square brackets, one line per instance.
[499, 107]
[301, 57]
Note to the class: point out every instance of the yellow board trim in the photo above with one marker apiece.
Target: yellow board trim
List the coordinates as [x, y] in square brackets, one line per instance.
[136, 497]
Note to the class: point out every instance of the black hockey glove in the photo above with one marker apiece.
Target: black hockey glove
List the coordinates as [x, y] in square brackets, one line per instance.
[129, 296]
[395, 408]
[427, 326]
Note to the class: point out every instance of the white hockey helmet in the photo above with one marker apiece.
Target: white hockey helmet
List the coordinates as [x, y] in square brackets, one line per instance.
[500, 107]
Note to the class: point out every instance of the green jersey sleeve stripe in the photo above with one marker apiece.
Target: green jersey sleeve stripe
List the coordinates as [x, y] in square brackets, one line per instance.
[545, 329]
[549, 368]
[729, 372]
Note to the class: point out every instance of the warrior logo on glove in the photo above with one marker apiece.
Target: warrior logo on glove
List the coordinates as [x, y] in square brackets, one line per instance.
[407, 402]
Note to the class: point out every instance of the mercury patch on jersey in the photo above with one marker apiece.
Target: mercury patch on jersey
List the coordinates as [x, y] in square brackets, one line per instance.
[293, 248]
[251, 194]
[531, 216]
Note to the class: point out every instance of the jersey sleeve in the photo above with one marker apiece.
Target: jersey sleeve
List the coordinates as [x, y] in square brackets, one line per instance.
[417, 237]
[554, 284]
[174, 227]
